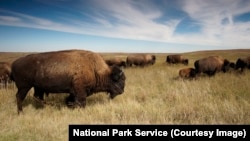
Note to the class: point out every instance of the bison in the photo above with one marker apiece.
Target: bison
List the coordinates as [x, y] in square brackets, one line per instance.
[5, 71]
[242, 63]
[116, 61]
[176, 59]
[140, 60]
[77, 72]
[210, 65]
[187, 73]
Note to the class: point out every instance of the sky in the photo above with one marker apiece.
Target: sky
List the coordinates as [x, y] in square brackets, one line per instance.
[158, 26]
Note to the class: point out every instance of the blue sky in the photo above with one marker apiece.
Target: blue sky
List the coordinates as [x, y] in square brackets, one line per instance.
[124, 25]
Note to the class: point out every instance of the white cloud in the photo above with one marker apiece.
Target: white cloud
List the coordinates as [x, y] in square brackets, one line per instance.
[137, 20]
[212, 15]
[9, 19]
[133, 20]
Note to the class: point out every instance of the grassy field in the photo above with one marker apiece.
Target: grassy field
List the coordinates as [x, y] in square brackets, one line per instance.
[153, 95]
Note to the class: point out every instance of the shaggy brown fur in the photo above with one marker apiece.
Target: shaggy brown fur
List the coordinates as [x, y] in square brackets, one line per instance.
[243, 63]
[78, 72]
[212, 64]
[176, 59]
[187, 73]
[140, 60]
[116, 61]
[5, 70]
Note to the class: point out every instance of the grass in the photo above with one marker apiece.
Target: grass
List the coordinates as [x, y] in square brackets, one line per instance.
[153, 95]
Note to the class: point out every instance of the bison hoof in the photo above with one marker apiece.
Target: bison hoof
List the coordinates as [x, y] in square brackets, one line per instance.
[70, 104]
[40, 101]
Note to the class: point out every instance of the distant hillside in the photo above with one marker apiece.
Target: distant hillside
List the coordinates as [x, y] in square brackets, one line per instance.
[231, 54]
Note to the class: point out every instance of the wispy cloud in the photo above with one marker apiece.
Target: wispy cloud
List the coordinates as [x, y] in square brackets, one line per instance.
[216, 18]
[138, 20]
[131, 19]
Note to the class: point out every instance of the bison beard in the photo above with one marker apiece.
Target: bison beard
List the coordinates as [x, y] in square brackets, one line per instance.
[81, 73]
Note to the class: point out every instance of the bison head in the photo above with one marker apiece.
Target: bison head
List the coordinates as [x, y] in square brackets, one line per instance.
[240, 63]
[153, 59]
[185, 61]
[117, 84]
[226, 66]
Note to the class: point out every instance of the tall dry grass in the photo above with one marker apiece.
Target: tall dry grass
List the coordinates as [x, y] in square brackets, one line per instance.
[153, 95]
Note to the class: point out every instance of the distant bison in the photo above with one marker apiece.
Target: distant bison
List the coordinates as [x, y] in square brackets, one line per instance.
[242, 63]
[232, 65]
[140, 60]
[77, 72]
[210, 65]
[176, 59]
[116, 61]
[5, 70]
[187, 73]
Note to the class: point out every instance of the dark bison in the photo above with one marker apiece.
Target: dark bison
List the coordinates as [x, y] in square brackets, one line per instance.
[210, 65]
[77, 72]
[5, 71]
[232, 65]
[187, 73]
[176, 59]
[140, 60]
[242, 63]
[116, 61]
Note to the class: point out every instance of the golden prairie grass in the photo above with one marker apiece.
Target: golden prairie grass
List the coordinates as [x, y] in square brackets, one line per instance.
[153, 95]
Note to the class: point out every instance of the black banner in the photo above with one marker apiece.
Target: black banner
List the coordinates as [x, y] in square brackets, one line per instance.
[167, 131]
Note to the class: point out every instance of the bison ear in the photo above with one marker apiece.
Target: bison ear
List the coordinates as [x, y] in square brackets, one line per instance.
[116, 73]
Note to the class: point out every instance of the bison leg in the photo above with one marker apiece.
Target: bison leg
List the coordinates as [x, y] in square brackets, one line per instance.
[80, 99]
[70, 100]
[20, 96]
[39, 96]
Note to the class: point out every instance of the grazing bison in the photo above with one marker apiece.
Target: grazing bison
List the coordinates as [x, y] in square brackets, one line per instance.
[140, 60]
[5, 70]
[232, 65]
[242, 63]
[116, 61]
[211, 65]
[77, 72]
[187, 73]
[176, 59]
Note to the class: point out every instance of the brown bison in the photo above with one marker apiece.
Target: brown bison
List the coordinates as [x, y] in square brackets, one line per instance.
[140, 60]
[116, 61]
[176, 59]
[5, 71]
[187, 73]
[210, 65]
[242, 63]
[77, 72]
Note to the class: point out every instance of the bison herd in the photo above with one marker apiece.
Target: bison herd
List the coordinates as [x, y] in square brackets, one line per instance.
[139, 60]
[81, 73]
[213, 64]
